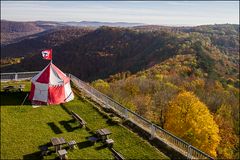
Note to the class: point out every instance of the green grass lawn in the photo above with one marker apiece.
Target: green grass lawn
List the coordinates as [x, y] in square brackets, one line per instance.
[24, 129]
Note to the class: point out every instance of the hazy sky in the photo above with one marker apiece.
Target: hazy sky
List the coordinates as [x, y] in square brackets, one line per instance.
[153, 12]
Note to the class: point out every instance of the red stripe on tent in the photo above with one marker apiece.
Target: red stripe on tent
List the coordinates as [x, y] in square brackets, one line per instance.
[56, 95]
[44, 77]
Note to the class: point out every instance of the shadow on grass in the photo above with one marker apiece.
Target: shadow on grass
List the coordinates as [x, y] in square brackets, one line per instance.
[14, 98]
[33, 156]
[54, 128]
[84, 144]
[111, 122]
[88, 129]
[48, 144]
[67, 126]
[101, 147]
[65, 109]
[90, 136]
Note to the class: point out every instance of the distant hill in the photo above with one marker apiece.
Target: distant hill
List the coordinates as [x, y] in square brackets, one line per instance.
[35, 43]
[99, 24]
[11, 26]
[12, 31]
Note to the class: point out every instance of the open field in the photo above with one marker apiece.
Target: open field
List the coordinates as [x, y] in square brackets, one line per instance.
[24, 129]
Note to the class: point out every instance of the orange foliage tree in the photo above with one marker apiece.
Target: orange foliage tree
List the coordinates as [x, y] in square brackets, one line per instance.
[227, 148]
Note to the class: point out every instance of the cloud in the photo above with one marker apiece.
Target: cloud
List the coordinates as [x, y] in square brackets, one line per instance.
[171, 12]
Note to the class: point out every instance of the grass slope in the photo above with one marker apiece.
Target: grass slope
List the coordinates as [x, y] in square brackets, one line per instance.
[24, 129]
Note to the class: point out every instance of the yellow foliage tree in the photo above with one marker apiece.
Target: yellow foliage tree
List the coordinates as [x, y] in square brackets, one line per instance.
[188, 118]
[131, 87]
[101, 85]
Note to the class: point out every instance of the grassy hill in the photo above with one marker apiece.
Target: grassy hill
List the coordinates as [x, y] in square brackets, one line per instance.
[24, 129]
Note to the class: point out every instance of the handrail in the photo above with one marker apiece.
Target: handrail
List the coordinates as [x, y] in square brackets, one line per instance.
[187, 153]
[171, 134]
[20, 73]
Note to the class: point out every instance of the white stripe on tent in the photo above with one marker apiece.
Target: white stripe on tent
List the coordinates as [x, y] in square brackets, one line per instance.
[41, 92]
[54, 78]
[68, 92]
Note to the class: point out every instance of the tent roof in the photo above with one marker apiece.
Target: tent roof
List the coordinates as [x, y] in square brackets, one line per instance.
[51, 75]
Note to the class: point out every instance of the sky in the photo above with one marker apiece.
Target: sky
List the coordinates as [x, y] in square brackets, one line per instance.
[148, 12]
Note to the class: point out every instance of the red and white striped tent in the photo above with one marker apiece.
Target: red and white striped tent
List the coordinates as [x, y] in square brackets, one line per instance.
[50, 86]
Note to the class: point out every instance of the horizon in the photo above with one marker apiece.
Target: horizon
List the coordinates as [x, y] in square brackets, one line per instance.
[166, 13]
[140, 24]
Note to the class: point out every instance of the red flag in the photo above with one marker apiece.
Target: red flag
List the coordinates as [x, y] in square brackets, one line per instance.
[47, 54]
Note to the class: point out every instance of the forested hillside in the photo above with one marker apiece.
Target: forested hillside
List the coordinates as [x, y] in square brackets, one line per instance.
[92, 54]
[179, 96]
[34, 44]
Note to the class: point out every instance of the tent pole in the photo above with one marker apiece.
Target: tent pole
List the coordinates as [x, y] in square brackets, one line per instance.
[24, 100]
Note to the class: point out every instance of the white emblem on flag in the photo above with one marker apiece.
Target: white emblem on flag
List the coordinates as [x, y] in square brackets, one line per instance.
[45, 53]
